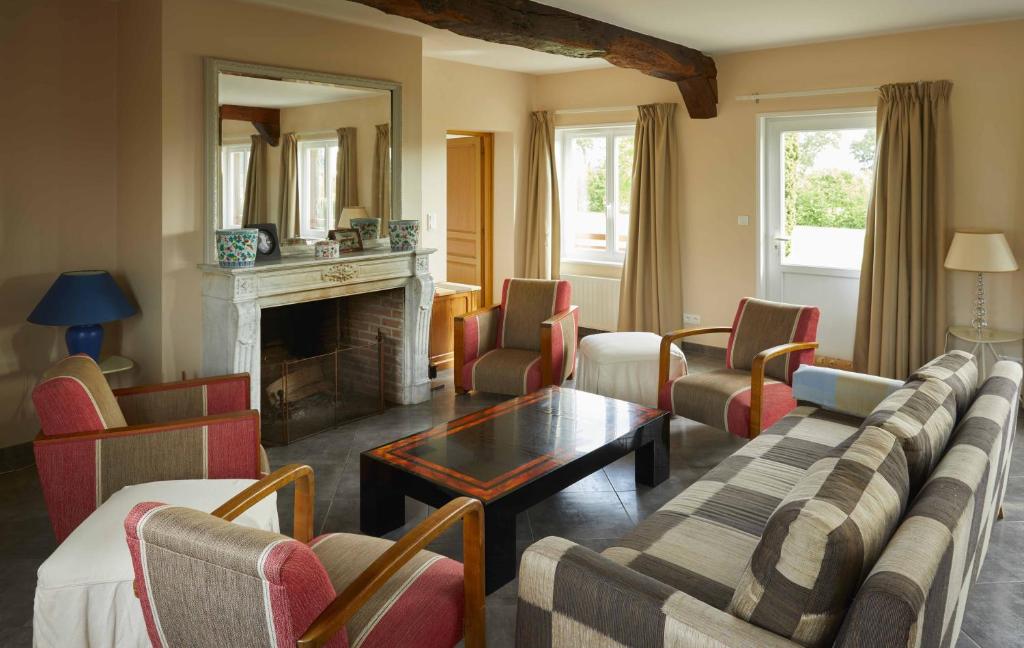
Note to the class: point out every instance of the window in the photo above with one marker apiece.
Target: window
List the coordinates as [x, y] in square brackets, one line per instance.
[234, 166]
[595, 167]
[318, 169]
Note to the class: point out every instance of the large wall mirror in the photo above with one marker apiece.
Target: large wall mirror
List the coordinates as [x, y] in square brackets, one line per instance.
[296, 148]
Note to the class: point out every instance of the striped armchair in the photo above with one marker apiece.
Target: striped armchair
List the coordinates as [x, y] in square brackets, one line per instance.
[525, 343]
[204, 582]
[768, 341]
[95, 440]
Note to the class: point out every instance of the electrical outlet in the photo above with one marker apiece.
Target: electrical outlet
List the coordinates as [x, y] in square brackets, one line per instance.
[689, 319]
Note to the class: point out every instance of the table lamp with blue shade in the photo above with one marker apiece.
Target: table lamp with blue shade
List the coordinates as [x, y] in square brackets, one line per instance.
[82, 300]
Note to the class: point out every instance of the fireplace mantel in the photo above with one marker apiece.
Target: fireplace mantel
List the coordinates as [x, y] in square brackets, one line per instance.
[234, 297]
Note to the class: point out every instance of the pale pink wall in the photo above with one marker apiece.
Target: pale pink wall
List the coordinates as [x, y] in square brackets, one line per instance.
[58, 177]
[718, 175]
[467, 97]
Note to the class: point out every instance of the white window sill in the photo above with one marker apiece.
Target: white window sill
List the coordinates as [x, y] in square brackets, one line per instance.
[593, 262]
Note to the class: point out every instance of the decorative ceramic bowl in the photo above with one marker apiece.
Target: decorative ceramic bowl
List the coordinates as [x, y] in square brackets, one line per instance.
[236, 248]
[405, 235]
[368, 228]
[326, 250]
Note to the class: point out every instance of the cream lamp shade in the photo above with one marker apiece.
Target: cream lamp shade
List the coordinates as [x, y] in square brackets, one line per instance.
[980, 252]
[348, 213]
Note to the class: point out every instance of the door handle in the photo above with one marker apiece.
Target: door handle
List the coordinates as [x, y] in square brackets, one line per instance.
[783, 238]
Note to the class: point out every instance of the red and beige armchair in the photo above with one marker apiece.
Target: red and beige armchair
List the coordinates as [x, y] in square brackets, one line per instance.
[205, 582]
[767, 342]
[525, 343]
[94, 440]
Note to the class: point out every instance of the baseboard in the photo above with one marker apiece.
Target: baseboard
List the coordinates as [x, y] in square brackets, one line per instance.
[16, 456]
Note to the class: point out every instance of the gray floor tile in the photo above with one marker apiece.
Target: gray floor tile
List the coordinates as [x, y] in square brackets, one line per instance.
[580, 515]
[966, 642]
[995, 615]
[1003, 562]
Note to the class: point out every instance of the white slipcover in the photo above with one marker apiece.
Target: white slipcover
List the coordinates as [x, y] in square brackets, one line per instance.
[625, 366]
[84, 595]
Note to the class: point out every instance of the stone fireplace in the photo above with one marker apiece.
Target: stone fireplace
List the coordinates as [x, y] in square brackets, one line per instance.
[382, 290]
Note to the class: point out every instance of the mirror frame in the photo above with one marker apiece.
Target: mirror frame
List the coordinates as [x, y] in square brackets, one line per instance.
[213, 69]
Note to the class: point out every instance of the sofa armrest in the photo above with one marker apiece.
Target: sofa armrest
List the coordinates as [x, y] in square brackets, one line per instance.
[558, 346]
[841, 391]
[172, 401]
[78, 472]
[475, 334]
[600, 604]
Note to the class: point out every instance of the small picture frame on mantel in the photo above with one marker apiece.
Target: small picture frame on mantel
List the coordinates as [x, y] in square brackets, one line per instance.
[268, 245]
[348, 239]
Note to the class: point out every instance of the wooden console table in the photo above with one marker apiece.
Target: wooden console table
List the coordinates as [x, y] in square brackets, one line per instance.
[450, 301]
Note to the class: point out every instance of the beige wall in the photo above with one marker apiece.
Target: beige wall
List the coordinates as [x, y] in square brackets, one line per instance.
[58, 180]
[718, 156]
[193, 29]
[468, 97]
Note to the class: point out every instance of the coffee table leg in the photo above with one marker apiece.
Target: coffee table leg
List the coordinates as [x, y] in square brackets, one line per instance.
[499, 548]
[652, 458]
[381, 507]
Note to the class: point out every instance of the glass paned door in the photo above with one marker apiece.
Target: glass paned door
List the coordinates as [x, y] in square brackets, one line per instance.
[816, 177]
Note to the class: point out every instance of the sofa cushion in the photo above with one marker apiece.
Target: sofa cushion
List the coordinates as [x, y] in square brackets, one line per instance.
[760, 325]
[921, 581]
[921, 414]
[525, 303]
[513, 372]
[959, 370]
[823, 538]
[701, 540]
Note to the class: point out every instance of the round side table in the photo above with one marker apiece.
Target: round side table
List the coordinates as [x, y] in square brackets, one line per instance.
[984, 342]
[115, 364]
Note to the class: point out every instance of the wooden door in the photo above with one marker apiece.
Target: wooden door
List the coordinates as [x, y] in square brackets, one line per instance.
[465, 210]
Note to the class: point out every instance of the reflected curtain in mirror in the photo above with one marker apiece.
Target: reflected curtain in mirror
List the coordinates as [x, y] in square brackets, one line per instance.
[290, 185]
[382, 176]
[540, 246]
[347, 192]
[901, 316]
[651, 297]
[254, 208]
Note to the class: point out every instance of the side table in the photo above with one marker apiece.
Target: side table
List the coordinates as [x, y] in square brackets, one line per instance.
[984, 342]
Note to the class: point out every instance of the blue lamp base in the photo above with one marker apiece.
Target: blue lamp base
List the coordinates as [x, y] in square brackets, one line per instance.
[85, 338]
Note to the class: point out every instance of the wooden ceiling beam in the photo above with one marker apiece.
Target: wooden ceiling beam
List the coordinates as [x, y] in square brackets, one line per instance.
[266, 121]
[547, 29]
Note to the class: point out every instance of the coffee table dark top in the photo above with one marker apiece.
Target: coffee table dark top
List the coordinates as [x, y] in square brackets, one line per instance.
[493, 452]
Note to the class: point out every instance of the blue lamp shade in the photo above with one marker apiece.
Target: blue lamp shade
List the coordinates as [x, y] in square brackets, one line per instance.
[82, 300]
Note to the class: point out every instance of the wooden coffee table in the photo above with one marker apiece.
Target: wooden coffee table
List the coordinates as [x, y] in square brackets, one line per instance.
[510, 457]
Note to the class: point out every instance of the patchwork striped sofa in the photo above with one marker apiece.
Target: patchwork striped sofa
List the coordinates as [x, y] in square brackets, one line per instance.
[861, 519]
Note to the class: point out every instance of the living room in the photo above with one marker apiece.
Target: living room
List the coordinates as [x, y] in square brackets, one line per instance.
[864, 161]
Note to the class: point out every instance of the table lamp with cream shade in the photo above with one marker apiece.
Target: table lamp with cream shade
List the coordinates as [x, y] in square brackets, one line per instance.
[348, 213]
[981, 252]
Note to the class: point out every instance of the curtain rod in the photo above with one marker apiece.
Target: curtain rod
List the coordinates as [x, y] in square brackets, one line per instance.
[806, 93]
[584, 111]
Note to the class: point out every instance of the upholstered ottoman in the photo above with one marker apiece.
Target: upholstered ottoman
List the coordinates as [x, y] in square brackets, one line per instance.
[84, 596]
[624, 366]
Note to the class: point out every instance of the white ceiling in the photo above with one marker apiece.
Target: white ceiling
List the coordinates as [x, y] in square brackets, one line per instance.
[713, 27]
[267, 93]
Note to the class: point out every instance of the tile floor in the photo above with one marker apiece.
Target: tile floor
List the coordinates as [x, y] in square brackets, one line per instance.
[592, 512]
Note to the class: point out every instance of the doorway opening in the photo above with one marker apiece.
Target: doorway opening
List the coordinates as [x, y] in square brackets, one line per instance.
[816, 176]
[471, 209]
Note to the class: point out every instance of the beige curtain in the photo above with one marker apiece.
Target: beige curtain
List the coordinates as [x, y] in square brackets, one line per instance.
[901, 317]
[540, 246]
[651, 296]
[290, 186]
[254, 207]
[346, 193]
[382, 176]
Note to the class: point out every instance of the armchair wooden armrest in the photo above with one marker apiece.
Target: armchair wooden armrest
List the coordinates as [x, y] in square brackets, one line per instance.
[566, 346]
[302, 529]
[666, 346]
[460, 358]
[757, 378]
[345, 605]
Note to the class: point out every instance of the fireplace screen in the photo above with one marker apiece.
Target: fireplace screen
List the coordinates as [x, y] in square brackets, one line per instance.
[319, 369]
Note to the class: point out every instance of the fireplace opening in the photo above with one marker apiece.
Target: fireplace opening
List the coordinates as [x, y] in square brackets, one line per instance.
[324, 363]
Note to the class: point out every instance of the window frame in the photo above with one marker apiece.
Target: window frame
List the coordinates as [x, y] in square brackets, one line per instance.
[563, 135]
[304, 144]
[227, 148]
